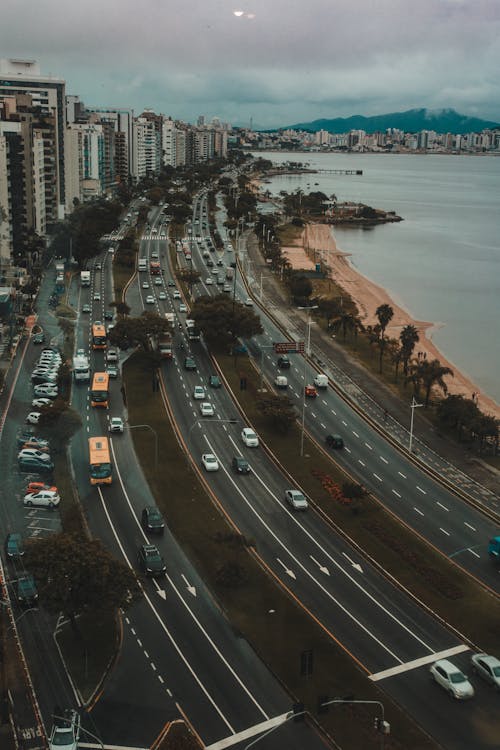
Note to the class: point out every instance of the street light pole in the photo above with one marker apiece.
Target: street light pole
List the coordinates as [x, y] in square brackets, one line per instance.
[147, 427]
[414, 405]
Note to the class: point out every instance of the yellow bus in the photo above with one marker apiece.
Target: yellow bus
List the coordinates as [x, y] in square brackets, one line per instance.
[99, 461]
[99, 339]
[99, 393]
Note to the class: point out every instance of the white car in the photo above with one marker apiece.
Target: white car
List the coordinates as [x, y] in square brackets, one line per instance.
[158, 282]
[97, 297]
[449, 677]
[116, 424]
[296, 499]
[150, 300]
[145, 284]
[162, 295]
[33, 453]
[39, 402]
[210, 462]
[199, 392]
[43, 498]
[45, 389]
[33, 417]
[249, 437]
[65, 731]
[154, 254]
[182, 308]
[248, 302]
[177, 294]
[487, 667]
[209, 281]
[206, 409]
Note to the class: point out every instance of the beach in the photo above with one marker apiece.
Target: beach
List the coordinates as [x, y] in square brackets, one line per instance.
[319, 242]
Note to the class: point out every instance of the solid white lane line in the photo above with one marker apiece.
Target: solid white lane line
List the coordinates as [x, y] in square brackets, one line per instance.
[444, 531]
[443, 506]
[369, 446]
[402, 475]
[384, 459]
[377, 477]
[361, 462]
[421, 490]
[355, 433]
[396, 493]
[474, 553]
[469, 526]
[344, 423]
[418, 511]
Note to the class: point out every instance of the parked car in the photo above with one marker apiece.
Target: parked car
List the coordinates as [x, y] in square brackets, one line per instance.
[296, 499]
[42, 499]
[33, 463]
[38, 486]
[210, 462]
[46, 389]
[41, 455]
[240, 465]
[26, 435]
[487, 667]
[150, 560]
[33, 417]
[38, 403]
[449, 677]
[249, 437]
[152, 520]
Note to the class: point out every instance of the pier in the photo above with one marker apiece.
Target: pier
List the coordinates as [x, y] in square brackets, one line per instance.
[339, 171]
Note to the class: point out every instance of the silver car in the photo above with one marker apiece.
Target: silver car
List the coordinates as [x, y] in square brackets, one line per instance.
[487, 667]
[451, 679]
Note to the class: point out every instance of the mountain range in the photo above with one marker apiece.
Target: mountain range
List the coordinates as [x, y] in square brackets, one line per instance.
[411, 121]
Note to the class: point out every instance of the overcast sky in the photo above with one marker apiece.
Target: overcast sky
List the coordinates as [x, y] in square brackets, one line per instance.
[273, 61]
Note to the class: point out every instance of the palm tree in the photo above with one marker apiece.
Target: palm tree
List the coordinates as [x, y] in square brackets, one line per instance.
[429, 374]
[409, 338]
[384, 314]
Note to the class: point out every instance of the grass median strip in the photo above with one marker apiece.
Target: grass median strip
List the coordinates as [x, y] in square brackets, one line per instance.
[259, 610]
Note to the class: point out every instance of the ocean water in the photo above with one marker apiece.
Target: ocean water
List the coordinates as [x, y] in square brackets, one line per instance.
[442, 263]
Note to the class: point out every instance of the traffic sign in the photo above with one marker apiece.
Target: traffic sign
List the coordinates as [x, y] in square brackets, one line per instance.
[288, 347]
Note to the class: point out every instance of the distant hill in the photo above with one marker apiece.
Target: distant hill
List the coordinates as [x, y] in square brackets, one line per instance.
[440, 120]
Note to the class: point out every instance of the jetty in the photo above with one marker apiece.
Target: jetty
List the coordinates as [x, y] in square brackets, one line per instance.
[339, 171]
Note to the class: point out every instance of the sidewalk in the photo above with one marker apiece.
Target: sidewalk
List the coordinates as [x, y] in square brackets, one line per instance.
[371, 396]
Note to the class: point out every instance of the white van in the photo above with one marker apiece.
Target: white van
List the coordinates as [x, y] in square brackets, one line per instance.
[321, 381]
[280, 381]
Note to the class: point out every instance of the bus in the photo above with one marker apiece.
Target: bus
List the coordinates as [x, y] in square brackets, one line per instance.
[99, 395]
[99, 461]
[99, 340]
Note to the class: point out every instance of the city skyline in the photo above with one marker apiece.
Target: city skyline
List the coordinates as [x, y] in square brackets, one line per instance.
[269, 64]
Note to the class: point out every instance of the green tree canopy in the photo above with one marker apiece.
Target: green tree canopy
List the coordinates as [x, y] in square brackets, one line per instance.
[279, 412]
[58, 424]
[223, 320]
[130, 332]
[76, 575]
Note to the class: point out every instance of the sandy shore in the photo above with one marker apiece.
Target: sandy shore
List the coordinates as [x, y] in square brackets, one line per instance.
[368, 296]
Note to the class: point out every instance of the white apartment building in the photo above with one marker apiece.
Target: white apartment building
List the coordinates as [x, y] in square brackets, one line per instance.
[147, 146]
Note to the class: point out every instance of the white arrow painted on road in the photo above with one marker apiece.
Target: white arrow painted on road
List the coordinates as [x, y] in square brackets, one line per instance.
[191, 589]
[162, 593]
[287, 570]
[323, 568]
[354, 565]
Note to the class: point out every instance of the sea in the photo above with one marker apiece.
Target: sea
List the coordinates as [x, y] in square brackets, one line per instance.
[442, 262]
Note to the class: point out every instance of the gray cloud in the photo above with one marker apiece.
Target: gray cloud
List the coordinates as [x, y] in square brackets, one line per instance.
[287, 62]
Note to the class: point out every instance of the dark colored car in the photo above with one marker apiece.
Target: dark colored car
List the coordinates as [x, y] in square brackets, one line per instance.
[108, 315]
[152, 520]
[334, 441]
[150, 560]
[189, 364]
[14, 548]
[171, 282]
[240, 465]
[38, 338]
[26, 590]
[35, 464]
[283, 363]
[214, 381]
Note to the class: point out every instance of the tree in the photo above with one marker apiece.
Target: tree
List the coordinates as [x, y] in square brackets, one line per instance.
[429, 374]
[278, 410]
[76, 575]
[409, 338]
[130, 332]
[189, 275]
[384, 314]
[58, 424]
[223, 321]
[121, 308]
[300, 287]
[483, 427]
[457, 412]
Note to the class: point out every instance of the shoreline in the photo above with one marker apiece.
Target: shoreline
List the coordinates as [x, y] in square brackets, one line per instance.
[368, 296]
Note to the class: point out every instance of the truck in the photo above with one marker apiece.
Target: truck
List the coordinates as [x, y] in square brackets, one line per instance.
[170, 317]
[229, 273]
[494, 549]
[155, 268]
[193, 332]
[59, 269]
[321, 381]
[165, 345]
[85, 278]
[81, 370]
[280, 381]
[142, 264]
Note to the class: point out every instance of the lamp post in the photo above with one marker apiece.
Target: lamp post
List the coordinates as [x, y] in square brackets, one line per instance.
[307, 354]
[414, 405]
[147, 427]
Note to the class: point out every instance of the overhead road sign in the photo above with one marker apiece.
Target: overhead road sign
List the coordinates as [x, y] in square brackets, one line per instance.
[288, 347]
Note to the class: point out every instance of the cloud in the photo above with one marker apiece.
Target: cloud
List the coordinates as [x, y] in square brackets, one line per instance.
[278, 62]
